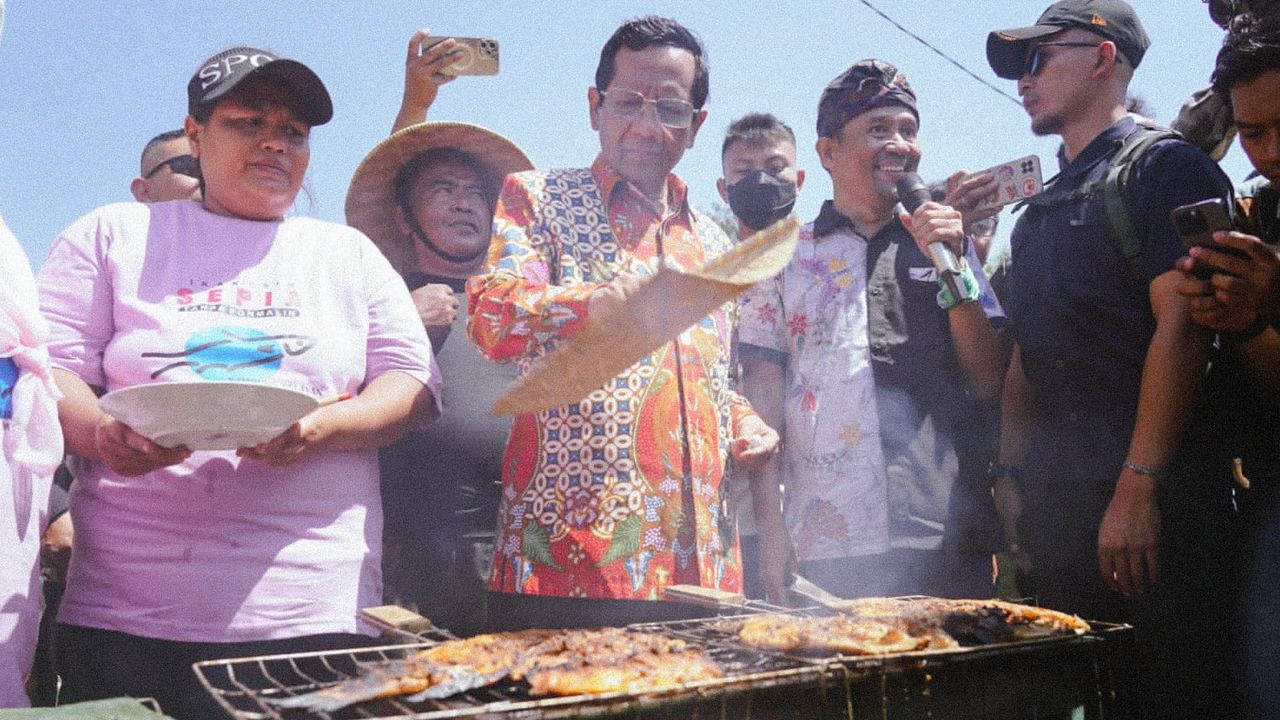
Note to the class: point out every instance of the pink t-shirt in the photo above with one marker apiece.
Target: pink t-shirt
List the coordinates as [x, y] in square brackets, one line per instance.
[220, 549]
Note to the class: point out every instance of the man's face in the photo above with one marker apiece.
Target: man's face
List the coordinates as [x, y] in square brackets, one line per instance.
[1053, 95]
[776, 158]
[640, 148]
[871, 152]
[451, 207]
[1256, 105]
[159, 182]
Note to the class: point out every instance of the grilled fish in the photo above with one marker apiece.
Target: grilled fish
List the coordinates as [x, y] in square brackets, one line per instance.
[447, 669]
[972, 622]
[580, 662]
[840, 634]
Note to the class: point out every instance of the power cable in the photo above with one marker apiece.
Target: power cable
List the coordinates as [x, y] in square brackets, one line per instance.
[942, 54]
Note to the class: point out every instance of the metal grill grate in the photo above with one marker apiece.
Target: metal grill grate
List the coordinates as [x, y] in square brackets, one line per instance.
[243, 685]
[1023, 679]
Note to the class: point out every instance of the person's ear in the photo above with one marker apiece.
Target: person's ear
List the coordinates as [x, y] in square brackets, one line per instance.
[720, 188]
[1108, 58]
[141, 190]
[401, 223]
[699, 117]
[799, 180]
[825, 147]
[593, 107]
[192, 130]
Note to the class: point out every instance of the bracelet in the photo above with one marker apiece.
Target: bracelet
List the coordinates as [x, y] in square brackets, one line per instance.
[997, 470]
[1143, 469]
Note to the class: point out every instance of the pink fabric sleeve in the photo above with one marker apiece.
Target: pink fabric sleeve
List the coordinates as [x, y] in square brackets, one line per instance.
[396, 340]
[76, 298]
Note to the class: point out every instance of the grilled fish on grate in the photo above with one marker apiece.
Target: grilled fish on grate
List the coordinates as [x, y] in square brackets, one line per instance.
[554, 662]
[582, 662]
[872, 626]
[972, 622]
[840, 634]
[449, 668]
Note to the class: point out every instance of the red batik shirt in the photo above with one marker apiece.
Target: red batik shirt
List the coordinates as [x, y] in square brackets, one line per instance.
[596, 502]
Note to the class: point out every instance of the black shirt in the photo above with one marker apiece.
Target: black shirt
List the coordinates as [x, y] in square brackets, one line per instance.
[1082, 318]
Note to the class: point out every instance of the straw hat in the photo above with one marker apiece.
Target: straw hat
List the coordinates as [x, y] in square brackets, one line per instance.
[371, 198]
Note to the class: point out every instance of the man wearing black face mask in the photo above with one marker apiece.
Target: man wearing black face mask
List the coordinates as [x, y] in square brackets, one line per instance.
[877, 377]
[760, 175]
[760, 183]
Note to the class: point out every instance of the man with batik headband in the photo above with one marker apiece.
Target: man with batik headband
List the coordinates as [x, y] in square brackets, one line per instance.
[874, 372]
[425, 197]
[608, 501]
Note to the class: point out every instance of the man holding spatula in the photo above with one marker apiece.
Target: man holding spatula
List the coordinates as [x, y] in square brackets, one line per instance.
[608, 501]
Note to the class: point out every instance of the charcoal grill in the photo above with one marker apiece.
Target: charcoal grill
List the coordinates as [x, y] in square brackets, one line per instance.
[1074, 676]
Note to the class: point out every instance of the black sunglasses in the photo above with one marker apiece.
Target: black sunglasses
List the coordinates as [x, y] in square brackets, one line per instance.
[180, 164]
[1035, 63]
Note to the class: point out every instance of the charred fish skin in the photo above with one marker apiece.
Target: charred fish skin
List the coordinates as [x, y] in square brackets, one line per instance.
[553, 662]
[400, 677]
[873, 626]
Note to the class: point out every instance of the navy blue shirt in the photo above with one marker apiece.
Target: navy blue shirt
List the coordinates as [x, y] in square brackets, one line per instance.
[1080, 315]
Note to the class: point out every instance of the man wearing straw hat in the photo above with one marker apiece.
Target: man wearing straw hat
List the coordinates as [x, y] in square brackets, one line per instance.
[608, 501]
[425, 195]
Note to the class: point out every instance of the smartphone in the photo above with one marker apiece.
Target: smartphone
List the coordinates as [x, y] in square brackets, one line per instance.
[479, 55]
[1197, 222]
[1018, 180]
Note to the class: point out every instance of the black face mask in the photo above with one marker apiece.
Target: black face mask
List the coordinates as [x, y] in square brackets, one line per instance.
[760, 199]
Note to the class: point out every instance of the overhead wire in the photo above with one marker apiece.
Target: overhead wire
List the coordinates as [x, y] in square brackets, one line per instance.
[942, 54]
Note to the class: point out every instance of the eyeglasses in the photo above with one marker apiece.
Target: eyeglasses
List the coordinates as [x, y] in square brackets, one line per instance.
[672, 112]
[1035, 63]
[180, 164]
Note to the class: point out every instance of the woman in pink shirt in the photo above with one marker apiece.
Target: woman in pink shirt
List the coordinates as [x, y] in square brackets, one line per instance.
[183, 556]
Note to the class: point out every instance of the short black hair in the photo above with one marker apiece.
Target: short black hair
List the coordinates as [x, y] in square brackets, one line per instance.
[407, 177]
[163, 137]
[1250, 48]
[757, 129]
[650, 30]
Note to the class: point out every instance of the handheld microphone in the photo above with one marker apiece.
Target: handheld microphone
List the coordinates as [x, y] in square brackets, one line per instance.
[912, 193]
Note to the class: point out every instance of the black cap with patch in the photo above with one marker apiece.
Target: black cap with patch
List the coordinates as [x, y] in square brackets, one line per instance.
[222, 72]
[1113, 20]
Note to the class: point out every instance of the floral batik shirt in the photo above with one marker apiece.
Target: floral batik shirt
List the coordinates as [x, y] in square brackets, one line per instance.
[602, 498]
[812, 318]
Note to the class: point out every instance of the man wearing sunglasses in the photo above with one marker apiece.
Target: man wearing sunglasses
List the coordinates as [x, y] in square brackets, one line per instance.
[608, 501]
[1096, 484]
[168, 170]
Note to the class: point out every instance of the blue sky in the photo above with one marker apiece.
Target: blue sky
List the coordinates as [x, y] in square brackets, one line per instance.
[83, 85]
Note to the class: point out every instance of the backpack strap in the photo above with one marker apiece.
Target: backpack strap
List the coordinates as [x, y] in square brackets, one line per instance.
[1111, 190]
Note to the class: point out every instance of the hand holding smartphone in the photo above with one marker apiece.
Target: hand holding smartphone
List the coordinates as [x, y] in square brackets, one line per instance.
[477, 56]
[1016, 180]
[1196, 223]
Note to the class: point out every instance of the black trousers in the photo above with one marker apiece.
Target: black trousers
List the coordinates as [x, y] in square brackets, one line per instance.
[1184, 625]
[97, 664]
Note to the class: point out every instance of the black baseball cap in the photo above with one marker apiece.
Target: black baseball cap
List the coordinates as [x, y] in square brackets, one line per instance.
[1114, 20]
[224, 71]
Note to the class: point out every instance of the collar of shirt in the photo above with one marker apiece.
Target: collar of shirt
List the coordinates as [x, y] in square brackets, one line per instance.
[830, 220]
[1098, 149]
[611, 181]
